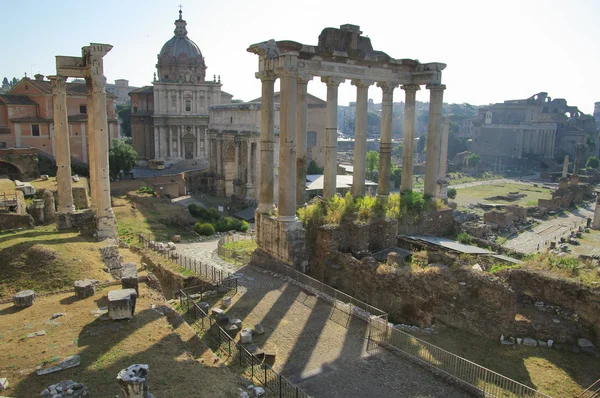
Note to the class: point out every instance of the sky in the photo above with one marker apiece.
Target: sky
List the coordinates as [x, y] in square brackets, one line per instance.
[494, 50]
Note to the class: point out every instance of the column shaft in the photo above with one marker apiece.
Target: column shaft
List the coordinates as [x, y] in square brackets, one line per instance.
[238, 166]
[360, 137]
[436, 92]
[170, 142]
[287, 148]
[219, 160]
[408, 150]
[92, 162]
[249, 163]
[101, 145]
[301, 113]
[385, 143]
[63, 149]
[442, 191]
[179, 149]
[330, 176]
[267, 137]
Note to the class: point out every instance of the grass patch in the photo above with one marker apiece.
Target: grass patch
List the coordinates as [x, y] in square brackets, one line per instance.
[242, 246]
[52, 185]
[569, 267]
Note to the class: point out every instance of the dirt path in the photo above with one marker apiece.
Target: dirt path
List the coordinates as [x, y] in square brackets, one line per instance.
[320, 349]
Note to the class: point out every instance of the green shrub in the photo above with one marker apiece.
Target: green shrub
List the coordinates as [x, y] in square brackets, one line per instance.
[204, 229]
[228, 224]
[412, 201]
[202, 214]
[245, 227]
[499, 267]
[464, 238]
[147, 189]
[452, 193]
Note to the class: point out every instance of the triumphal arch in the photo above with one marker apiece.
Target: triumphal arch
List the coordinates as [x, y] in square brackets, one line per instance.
[341, 54]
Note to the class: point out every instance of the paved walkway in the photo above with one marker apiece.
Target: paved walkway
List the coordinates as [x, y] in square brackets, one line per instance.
[321, 350]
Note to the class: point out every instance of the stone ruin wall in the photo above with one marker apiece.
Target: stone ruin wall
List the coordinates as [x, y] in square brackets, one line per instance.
[474, 301]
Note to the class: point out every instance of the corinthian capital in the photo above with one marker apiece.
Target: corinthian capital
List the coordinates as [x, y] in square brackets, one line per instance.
[304, 77]
[436, 87]
[387, 87]
[332, 80]
[362, 82]
[59, 84]
[266, 75]
[411, 87]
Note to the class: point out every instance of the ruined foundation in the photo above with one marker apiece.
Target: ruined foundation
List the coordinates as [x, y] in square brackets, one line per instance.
[283, 241]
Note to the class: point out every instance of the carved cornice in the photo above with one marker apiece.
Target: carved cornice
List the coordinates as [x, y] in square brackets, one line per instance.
[411, 87]
[332, 80]
[361, 82]
[436, 87]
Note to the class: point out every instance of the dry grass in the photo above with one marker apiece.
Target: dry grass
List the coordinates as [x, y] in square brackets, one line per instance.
[553, 372]
[242, 246]
[51, 183]
[477, 194]
[180, 366]
[6, 186]
[44, 260]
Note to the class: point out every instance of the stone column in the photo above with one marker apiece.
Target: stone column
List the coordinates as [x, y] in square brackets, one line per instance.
[267, 139]
[63, 149]
[360, 137]
[436, 92]
[565, 170]
[408, 150]
[301, 112]
[442, 185]
[106, 226]
[156, 154]
[238, 168]
[170, 142]
[206, 144]
[92, 162]
[576, 164]
[197, 131]
[179, 149]
[287, 147]
[385, 143]
[596, 222]
[219, 159]
[330, 175]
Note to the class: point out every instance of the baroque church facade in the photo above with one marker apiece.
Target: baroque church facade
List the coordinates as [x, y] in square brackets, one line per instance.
[191, 124]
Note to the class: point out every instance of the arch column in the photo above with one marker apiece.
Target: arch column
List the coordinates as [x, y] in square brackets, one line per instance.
[385, 143]
[63, 150]
[360, 136]
[408, 149]
[330, 176]
[267, 139]
[436, 93]
[301, 113]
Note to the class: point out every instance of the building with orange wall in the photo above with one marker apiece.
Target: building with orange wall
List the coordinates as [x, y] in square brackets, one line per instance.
[27, 117]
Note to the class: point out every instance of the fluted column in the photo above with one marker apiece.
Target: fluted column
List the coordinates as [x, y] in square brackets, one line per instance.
[408, 150]
[301, 112]
[360, 137]
[286, 205]
[267, 138]
[92, 162]
[436, 93]
[63, 148]
[385, 143]
[330, 175]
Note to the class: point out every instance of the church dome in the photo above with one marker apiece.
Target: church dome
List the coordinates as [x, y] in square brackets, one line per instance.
[180, 59]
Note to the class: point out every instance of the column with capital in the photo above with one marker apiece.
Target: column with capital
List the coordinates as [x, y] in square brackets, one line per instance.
[330, 176]
[267, 139]
[385, 143]
[436, 93]
[92, 166]
[360, 136]
[286, 205]
[106, 226]
[301, 113]
[63, 150]
[408, 150]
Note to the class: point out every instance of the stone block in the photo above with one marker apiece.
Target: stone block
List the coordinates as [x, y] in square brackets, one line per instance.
[246, 336]
[67, 363]
[171, 246]
[237, 322]
[226, 301]
[222, 320]
[24, 298]
[529, 342]
[232, 329]
[133, 381]
[176, 238]
[85, 288]
[550, 343]
[45, 177]
[121, 303]
[3, 383]
[258, 392]
[204, 307]
[217, 311]
[129, 277]
[258, 329]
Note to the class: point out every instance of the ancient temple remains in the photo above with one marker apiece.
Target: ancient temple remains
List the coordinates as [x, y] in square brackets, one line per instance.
[88, 66]
[341, 54]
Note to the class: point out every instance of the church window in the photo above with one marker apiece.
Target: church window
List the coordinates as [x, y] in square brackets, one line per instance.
[231, 121]
[173, 101]
[83, 109]
[35, 130]
[166, 77]
[311, 139]
[188, 105]
[135, 109]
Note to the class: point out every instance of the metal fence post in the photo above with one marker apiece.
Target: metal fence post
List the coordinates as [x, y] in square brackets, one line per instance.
[252, 365]
[280, 386]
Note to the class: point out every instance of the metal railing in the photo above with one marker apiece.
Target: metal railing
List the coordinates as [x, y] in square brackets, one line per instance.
[230, 255]
[204, 270]
[249, 363]
[592, 391]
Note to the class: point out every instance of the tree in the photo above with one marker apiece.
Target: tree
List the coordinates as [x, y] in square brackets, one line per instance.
[121, 157]
[396, 176]
[313, 168]
[124, 112]
[422, 144]
[397, 150]
[451, 193]
[372, 164]
[593, 162]
[473, 160]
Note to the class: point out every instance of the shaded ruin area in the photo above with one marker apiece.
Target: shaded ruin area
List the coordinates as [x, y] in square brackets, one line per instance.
[437, 285]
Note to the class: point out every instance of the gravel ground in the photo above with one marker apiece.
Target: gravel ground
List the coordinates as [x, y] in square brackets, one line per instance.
[320, 349]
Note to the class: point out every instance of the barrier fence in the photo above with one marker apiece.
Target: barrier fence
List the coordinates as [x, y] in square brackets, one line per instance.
[230, 255]
[204, 270]
[249, 363]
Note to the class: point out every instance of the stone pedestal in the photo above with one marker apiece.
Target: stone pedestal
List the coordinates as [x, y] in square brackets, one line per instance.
[133, 381]
[37, 211]
[85, 288]
[250, 193]
[121, 304]
[282, 240]
[24, 298]
[129, 277]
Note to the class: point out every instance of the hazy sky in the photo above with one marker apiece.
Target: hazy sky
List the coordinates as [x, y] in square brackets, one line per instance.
[495, 50]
